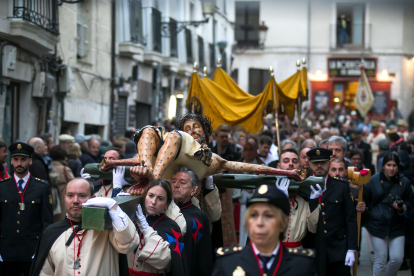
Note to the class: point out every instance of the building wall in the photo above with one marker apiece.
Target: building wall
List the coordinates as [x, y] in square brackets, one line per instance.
[387, 37]
[88, 102]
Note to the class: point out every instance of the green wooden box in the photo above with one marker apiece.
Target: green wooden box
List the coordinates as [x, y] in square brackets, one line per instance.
[96, 218]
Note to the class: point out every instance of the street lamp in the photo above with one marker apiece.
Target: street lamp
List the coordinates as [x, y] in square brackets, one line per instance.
[208, 7]
[262, 33]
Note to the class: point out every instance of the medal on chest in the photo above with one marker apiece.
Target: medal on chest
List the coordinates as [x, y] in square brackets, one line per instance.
[22, 206]
[76, 263]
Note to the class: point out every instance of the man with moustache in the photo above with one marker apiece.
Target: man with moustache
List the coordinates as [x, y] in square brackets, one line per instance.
[25, 212]
[67, 249]
[302, 218]
[336, 236]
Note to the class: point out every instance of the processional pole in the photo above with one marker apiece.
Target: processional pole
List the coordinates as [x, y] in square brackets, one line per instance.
[276, 114]
[299, 104]
[195, 69]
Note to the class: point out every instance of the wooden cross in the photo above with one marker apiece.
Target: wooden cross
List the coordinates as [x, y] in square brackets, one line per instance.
[358, 178]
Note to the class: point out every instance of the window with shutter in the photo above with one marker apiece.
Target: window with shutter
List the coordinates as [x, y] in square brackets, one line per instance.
[173, 38]
[258, 79]
[82, 30]
[135, 18]
[201, 52]
[121, 115]
[189, 46]
[247, 23]
[156, 30]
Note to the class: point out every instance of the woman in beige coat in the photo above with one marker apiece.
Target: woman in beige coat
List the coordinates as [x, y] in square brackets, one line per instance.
[59, 157]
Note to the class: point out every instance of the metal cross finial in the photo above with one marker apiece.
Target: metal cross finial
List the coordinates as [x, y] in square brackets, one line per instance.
[195, 67]
[271, 71]
[205, 71]
[304, 61]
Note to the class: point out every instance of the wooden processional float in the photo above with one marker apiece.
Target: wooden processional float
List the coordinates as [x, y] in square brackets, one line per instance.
[96, 218]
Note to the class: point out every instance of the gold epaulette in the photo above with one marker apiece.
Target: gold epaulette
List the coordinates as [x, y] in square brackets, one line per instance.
[228, 250]
[302, 252]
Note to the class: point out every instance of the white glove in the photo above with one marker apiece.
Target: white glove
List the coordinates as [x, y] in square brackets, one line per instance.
[1, 259]
[119, 218]
[103, 202]
[209, 183]
[123, 194]
[84, 175]
[316, 193]
[350, 258]
[283, 185]
[118, 177]
[141, 219]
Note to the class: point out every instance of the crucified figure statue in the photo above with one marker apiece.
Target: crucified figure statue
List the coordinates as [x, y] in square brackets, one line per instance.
[160, 154]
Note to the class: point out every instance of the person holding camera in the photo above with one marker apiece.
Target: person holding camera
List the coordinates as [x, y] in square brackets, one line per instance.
[388, 196]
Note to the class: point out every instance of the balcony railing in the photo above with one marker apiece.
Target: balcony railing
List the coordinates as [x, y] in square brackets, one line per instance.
[42, 13]
[355, 37]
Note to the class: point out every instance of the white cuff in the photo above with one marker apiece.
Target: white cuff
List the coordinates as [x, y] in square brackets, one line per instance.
[119, 218]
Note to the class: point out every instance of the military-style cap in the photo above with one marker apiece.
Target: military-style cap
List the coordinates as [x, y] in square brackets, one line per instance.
[375, 123]
[272, 195]
[402, 123]
[319, 154]
[21, 149]
[66, 138]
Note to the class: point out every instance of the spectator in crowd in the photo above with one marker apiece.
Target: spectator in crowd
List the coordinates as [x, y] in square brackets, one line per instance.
[226, 150]
[338, 147]
[91, 156]
[309, 143]
[365, 148]
[264, 148]
[304, 159]
[241, 141]
[39, 168]
[59, 157]
[130, 149]
[309, 134]
[65, 139]
[387, 197]
[82, 140]
[357, 159]
[252, 140]
[3, 156]
[120, 144]
[287, 144]
[324, 144]
[74, 152]
[48, 139]
[273, 148]
[325, 134]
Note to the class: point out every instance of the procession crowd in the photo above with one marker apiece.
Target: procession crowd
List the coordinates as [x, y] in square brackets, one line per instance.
[187, 225]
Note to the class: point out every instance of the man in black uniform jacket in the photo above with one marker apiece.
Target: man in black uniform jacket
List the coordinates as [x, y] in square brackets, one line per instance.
[336, 236]
[197, 240]
[25, 212]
